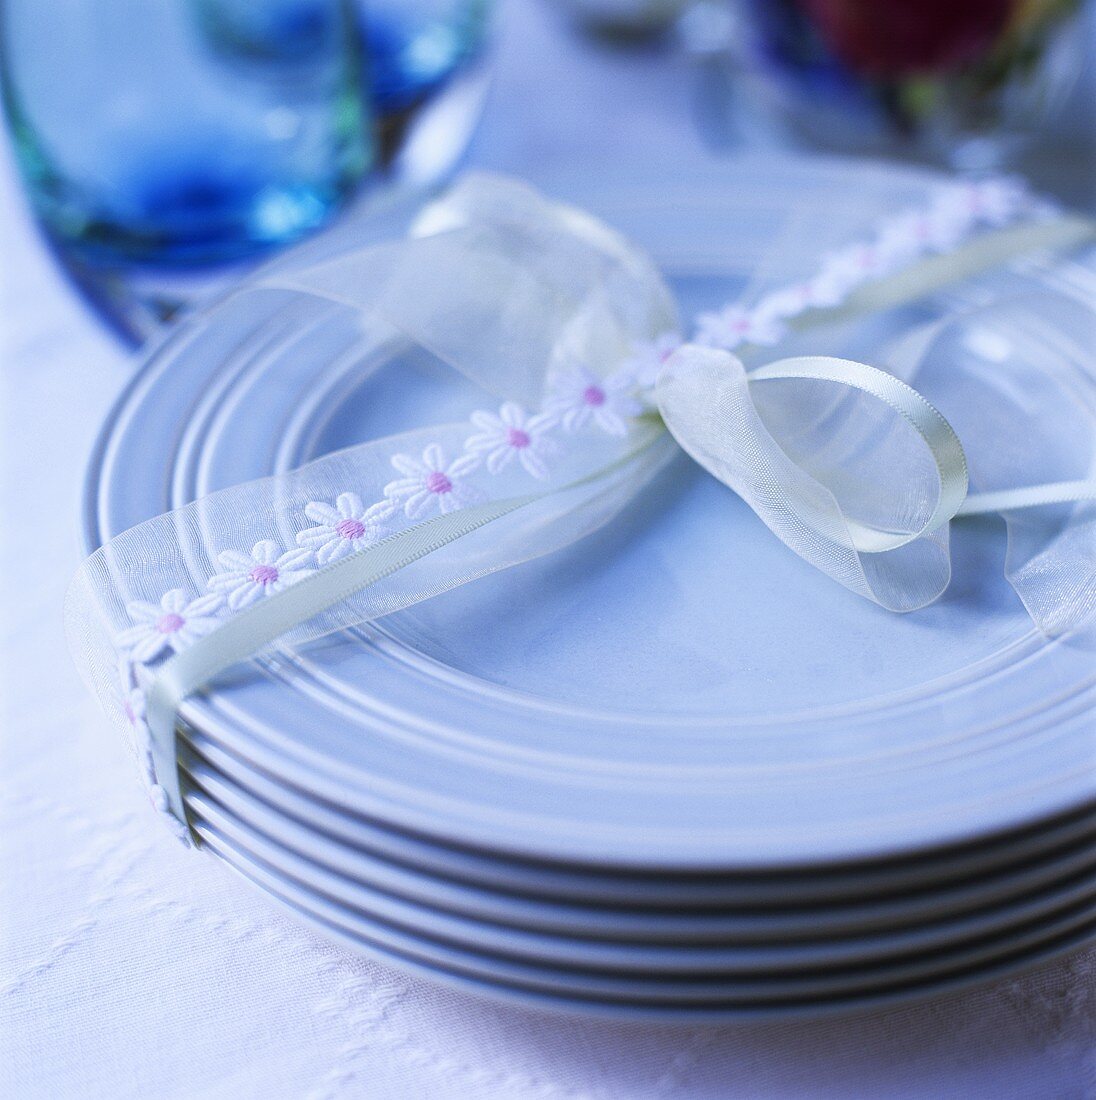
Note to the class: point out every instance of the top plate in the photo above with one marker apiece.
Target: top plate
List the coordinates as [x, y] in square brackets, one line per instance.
[676, 691]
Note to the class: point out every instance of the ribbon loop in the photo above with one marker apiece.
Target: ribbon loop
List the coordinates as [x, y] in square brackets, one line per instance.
[865, 496]
[922, 416]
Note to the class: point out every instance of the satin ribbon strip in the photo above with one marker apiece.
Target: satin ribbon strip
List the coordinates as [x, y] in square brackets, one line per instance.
[253, 629]
[940, 439]
[1031, 496]
[984, 253]
[923, 417]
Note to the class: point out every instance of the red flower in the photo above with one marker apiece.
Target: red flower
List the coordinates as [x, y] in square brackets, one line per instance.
[902, 37]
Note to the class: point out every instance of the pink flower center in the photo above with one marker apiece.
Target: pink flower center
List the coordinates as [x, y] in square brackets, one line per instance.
[517, 438]
[437, 482]
[350, 528]
[741, 325]
[168, 624]
[264, 574]
[593, 395]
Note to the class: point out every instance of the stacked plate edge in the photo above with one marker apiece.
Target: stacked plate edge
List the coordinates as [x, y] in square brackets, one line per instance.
[546, 784]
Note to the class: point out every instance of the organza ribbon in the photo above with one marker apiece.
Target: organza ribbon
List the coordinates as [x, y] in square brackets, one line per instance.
[543, 306]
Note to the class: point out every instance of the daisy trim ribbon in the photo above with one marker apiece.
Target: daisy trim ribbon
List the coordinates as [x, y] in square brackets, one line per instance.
[263, 592]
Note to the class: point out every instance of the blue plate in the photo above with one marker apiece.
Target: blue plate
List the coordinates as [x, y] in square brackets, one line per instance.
[578, 709]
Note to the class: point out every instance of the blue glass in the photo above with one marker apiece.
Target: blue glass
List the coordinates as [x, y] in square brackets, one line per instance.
[179, 132]
[416, 45]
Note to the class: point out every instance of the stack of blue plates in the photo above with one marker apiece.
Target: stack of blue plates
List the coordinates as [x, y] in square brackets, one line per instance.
[669, 770]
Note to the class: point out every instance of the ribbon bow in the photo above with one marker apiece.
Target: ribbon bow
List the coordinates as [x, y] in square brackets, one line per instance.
[554, 312]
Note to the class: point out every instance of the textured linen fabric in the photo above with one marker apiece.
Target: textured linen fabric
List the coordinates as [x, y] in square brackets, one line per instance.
[132, 968]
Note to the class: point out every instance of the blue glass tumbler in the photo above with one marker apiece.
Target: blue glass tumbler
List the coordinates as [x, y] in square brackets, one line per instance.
[415, 46]
[183, 132]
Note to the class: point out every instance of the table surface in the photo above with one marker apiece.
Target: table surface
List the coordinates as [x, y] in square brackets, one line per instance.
[131, 967]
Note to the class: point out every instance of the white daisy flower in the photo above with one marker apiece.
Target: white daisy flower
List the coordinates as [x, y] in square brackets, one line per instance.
[174, 624]
[905, 237]
[511, 434]
[581, 397]
[344, 529]
[989, 202]
[848, 268]
[790, 301]
[131, 696]
[133, 707]
[432, 483]
[734, 325]
[158, 797]
[250, 577]
[913, 234]
[648, 356]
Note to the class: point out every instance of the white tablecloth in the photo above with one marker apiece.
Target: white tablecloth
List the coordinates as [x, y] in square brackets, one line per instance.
[133, 968]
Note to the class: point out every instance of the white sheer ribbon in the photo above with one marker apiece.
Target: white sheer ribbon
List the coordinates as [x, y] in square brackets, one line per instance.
[541, 304]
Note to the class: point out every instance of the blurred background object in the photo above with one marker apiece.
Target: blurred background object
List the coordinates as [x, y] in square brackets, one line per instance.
[623, 19]
[168, 145]
[964, 83]
[161, 140]
[417, 50]
[184, 131]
